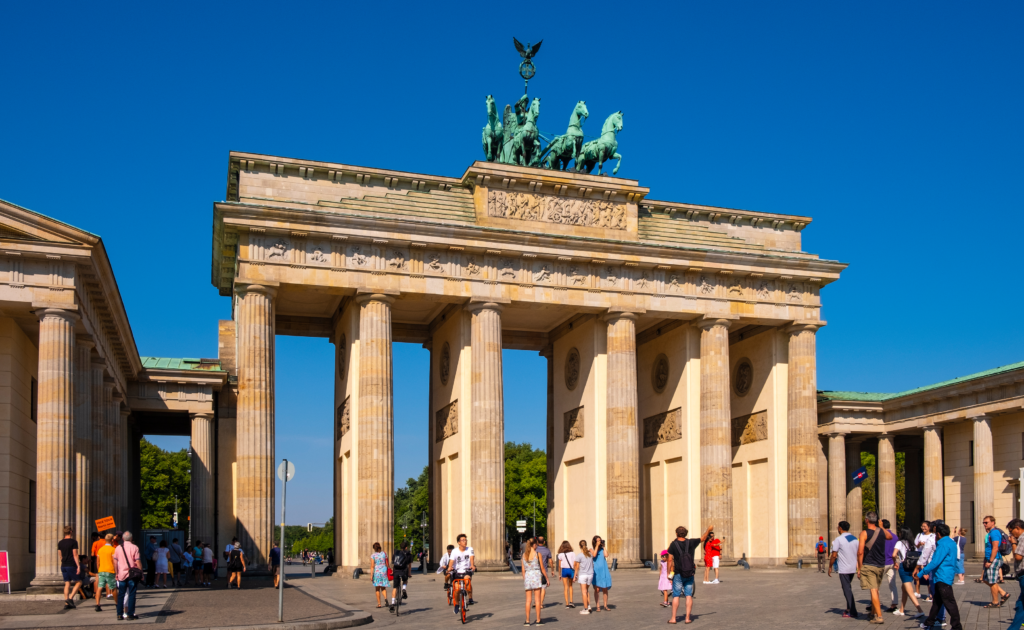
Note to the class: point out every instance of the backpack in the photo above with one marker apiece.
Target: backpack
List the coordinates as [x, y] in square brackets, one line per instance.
[686, 566]
[820, 547]
[401, 560]
[910, 560]
[1004, 543]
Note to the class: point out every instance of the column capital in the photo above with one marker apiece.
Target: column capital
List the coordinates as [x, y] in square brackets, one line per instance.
[68, 312]
[117, 396]
[108, 385]
[616, 313]
[486, 303]
[206, 415]
[802, 325]
[981, 418]
[837, 434]
[263, 287]
[85, 341]
[719, 319]
[125, 412]
[931, 427]
[385, 296]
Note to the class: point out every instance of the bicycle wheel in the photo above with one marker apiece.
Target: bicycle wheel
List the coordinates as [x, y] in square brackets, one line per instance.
[462, 604]
[451, 587]
[398, 600]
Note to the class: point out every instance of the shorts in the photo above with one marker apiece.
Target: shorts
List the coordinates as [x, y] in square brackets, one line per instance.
[70, 574]
[398, 579]
[106, 579]
[904, 576]
[991, 575]
[871, 577]
[208, 567]
[682, 586]
[275, 569]
[585, 579]
[714, 562]
[177, 567]
[567, 573]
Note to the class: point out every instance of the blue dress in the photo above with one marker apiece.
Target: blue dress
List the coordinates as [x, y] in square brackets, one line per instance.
[602, 577]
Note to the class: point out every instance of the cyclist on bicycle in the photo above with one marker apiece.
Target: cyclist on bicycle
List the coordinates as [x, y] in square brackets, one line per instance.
[462, 564]
[401, 564]
[442, 567]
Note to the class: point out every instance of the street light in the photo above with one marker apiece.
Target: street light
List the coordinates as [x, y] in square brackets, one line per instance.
[426, 554]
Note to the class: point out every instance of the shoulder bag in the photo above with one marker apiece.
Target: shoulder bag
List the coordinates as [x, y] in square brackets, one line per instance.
[134, 573]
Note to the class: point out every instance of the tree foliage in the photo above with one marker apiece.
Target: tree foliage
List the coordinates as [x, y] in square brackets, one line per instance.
[869, 487]
[320, 539]
[412, 503]
[526, 487]
[163, 476]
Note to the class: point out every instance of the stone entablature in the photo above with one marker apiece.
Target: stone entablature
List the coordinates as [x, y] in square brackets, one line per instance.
[175, 390]
[963, 399]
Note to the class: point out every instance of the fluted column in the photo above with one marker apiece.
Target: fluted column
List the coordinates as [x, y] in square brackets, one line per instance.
[984, 486]
[716, 430]
[126, 468]
[802, 442]
[934, 506]
[375, 434]
[836, 481]
[118, 459]
[201, 504]
[255, 426]
[487, 431]
[55, 447]
[854, 492]
[886, 471]
[100, 449]
[621, 441]
[108, 502]
[549, 454]
[84, 455]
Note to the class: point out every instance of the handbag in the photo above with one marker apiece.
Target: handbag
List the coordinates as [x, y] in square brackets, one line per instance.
[134, 573]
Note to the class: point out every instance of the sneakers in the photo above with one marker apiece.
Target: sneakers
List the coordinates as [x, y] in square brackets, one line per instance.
[391, 608]
[876, 620]
[456, 610]
[899, 613]
[471, 602]
[406, 595]
[585, 611]
[99, 609]
[714, 581]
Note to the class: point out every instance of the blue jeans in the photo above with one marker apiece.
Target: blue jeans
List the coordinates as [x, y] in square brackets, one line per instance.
[682, 586]
[1018, 608]
[126, 588]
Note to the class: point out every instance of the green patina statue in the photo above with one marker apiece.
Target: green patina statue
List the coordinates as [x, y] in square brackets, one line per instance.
[493, 136]
[522, 140]
[513, 120]
[603, 149]
[564, 149]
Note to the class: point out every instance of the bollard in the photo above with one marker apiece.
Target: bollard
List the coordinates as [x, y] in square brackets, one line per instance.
[743, 562]
[356, 573]
[615, 563]
[312, 569]
[800, 563]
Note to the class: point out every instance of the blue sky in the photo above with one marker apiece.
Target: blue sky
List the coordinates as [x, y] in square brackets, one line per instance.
[896, 126]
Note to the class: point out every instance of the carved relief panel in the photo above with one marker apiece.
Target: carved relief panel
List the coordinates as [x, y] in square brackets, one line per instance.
[750, 428]
[436, 263]
[446, 421]
[397, 259]
[359, 257]
[344, 418]
[543, 272]
[523, 206]
[572, 369]
[663, 427]
[318, 253]
[572, 424]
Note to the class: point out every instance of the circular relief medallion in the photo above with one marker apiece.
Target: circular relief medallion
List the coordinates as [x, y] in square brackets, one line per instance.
[446, 363]
[743, 377]
[342, 349]
[659, 375]
[572, 369]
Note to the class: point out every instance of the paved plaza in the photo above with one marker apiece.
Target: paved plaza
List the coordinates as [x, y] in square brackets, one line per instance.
[744, 599]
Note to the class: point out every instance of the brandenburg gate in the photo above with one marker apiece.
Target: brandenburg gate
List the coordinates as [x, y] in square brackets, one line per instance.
[680, 346]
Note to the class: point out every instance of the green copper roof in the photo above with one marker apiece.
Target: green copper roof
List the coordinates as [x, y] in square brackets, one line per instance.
[163, 363]
[874, 397]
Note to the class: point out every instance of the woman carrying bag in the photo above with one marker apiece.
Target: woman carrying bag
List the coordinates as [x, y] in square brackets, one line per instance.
[566, 562]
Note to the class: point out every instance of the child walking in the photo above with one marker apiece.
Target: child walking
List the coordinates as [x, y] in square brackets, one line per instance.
[664, 584]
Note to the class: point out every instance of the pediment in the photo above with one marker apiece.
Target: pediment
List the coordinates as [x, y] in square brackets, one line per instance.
[21, 224]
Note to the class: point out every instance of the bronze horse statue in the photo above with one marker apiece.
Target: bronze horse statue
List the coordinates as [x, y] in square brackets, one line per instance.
[564, 149]
[603, 149]
[493, 136]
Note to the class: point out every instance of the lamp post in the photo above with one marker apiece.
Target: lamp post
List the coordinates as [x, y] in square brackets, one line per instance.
[426, 554]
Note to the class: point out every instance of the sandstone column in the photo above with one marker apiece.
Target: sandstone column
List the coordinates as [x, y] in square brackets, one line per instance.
[984, 485]
[127, 466]
[100, 449]
[201, 506]
[255, 470]
[886, 472]
[548, 354]
[836, 482]
[854, 493]
[622, 443]
[715, 430]
[375, 437]
[84, 457]
[118, 459]
[106, 469]
[55, 448]
[802, 443]
[934, 507]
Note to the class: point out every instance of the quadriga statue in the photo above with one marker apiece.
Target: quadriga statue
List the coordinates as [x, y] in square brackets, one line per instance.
[493, 137]
[565, 148]
[603, 149]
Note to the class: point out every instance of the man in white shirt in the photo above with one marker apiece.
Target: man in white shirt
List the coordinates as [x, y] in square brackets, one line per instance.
[844, 557]
[462, 563]
[442, 567]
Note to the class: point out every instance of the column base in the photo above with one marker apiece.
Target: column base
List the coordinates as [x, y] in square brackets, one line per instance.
[346, 572]
[46, 585]
[491, 566]
[624, 564]
[809, 561]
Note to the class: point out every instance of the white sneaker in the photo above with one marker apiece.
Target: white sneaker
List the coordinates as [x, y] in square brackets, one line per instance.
[714, 581]
[899, 612]
[706, 582]
[584, 612]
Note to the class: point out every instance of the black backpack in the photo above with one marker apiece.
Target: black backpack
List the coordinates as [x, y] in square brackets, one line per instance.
[686, 566]
[910, 560]
[401, 560]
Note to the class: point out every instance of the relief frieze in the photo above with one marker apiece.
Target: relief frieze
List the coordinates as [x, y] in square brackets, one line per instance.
[572, 425]
[750, 428]
[446, 421]
[524, 206]
[344, 418]
[666, 426]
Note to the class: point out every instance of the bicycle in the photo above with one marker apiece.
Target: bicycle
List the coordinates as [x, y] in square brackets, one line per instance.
[460, 597]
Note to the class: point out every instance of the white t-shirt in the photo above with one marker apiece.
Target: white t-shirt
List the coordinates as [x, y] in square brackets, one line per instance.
[460, 560]
[208, 555]
[443, 563]
[901, 552]
[566, 560]
[927, 550]
[846, 546]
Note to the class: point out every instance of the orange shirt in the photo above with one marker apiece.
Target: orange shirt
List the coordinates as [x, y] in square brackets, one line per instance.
[106, 558]
[97, 544]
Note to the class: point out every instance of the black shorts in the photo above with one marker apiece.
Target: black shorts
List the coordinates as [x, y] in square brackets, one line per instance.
[398, 579]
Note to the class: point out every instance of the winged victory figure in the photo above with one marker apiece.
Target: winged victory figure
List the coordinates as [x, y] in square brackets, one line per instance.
[527, 51]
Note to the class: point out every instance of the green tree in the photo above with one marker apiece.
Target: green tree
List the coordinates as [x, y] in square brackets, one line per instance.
[526, 486]
[869, 487]
[320, 539]
[411, 504]
[163, 476]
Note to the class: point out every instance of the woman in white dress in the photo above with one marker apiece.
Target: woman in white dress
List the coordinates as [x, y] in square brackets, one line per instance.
[160, 556]
[534, 574]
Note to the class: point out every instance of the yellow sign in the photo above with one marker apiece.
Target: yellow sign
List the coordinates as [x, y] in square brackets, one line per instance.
[104, 524]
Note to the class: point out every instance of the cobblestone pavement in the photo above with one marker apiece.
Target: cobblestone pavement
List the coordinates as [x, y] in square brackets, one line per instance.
[745, 599]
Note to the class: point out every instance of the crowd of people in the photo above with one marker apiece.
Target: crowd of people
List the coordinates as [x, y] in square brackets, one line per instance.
[933, 559]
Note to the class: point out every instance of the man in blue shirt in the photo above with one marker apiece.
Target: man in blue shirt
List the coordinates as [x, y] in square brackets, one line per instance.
[941, 570]
[993, 562]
